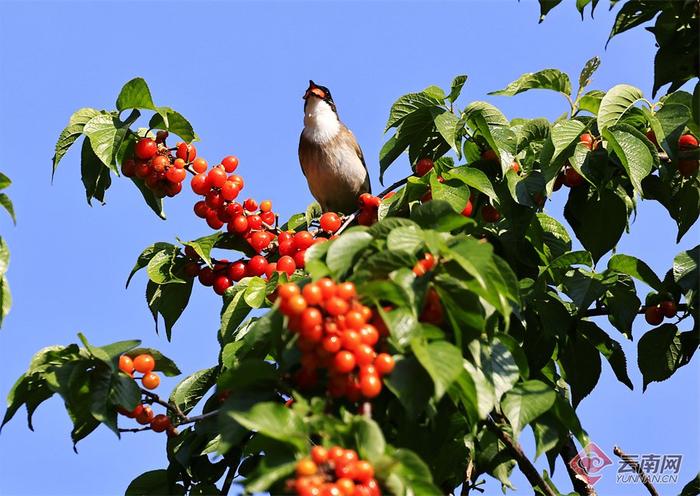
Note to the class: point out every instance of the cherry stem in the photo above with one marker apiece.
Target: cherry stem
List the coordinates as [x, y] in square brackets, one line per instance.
[156, 399]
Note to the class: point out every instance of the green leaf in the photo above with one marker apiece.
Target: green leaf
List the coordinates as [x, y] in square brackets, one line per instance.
[448, 125]
[154, 482]
[526, 402]
[343, 251]
[261, 480]
[438, 215]
[407, 105]
[580, 364]
[159, 268]
[564, 135]
[591, 101]
[609, 348]
[637, 155]
[589, 68]
[254, 294]
[658, 354]
[456, 87]
[632, 14]
[174, 122]
[94, 174]
[406, 238]
[547, 79]
[71, 133]
[616, 102]
[190, 390]
[692, 488]
[546, 6]
[163, 363]
[368, 439]
[155, 203]
[472, 177]
[4, 181]
[233, 313]
[106, 134]
[146, 256]
[5, 298]
[275, 421]
[685, 269]
[636, 268]
[598, 221]
[135, 95]
[490, 114]
[6, 203]
[451, 191]
[411, 384]
[441, 360]
[204, 245]
[623, 304]
[168, 300]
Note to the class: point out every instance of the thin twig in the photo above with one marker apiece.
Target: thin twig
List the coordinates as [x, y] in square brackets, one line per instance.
[635, 466]
[524, 463]
[468, 483]
[567, 453]
[156, 399]
[228, 481]
[136, 429]
[197, 418]
[597, 312]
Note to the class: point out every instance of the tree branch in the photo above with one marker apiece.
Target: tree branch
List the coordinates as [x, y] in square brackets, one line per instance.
[524, 463]
[635, 466]
[156, 399]
[228, 481]
[567, 453]
[597, 312]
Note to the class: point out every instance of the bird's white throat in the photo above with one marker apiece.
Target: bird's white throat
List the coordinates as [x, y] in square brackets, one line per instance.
[321, 124]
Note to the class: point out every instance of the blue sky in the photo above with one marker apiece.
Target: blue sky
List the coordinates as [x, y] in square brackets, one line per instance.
[238, 71]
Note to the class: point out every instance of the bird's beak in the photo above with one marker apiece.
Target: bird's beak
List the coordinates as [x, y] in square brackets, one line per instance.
[313, 89]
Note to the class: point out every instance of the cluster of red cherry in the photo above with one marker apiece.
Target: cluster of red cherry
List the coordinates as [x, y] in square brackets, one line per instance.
[336, 333]
[334, 472]
[154, 163]
[654, 314]
[143, 413]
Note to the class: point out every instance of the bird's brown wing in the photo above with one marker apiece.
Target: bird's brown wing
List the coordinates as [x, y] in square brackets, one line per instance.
[301, 162]
[358, 151]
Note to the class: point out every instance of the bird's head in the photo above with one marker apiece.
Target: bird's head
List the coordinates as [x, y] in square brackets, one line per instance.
[318, 96]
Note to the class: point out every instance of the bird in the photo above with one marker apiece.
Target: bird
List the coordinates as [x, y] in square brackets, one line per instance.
[330, 157]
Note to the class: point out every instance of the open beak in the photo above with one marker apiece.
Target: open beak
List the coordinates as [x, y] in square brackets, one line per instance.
[313, 89]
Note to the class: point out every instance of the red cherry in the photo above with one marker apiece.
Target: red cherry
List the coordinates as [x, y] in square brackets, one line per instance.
[651, 136]
[516, 167]
[237, 271]
[268, 218]
[369, 334]
[213, 220]
[230, 163]
[363, 470]
[668, 308]
[330, 222]
[150, 380]
[490, 156]
[254, 222]
[186, 152]
[161, 136]
[572, 178]
[199, 184]
[286, 247]
[424, 166]
[240, 223]
[384, 363]
[299, 258]
[145, 148]
[654, 315]
[175, 175]
[687, 142]
[229, 190]
[159, 163]
[199, 165]
[250, 205]
[370, 385]
[201, 209]
[688, 167]
[587, 139]
[192, 269]
[467, 211]
[126, 364]
[331, 344]
[303, 239]
[344, 362]
[144, 414]
[490, 214]
[364, 354]
[129, 168]
[312, 294]
[221, 284]
[236, 179]
[178, 163]
[286, 264]
[256, 265]
[217, 177]
[206, 276]
[142, 170]
[160, 423]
